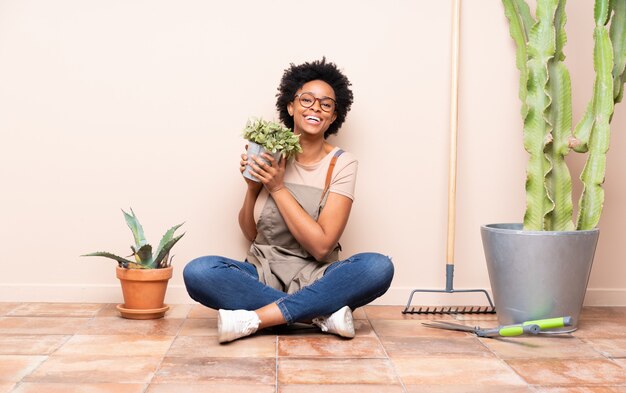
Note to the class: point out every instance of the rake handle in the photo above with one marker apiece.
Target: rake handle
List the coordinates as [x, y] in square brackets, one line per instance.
[454, 115]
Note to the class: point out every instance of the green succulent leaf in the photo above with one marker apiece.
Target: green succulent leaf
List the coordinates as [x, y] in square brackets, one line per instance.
[135, 227]
[123, 262]
[167, 237]
[164, 252]
[143, 256]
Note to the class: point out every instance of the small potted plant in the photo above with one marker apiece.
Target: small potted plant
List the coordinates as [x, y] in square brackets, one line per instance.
[269, 137]
[541, 268]
[144, 279]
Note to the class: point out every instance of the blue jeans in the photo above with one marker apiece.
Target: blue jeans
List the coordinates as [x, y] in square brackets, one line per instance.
[222, 283]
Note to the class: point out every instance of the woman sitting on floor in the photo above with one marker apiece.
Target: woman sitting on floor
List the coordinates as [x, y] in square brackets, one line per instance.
[294, 216]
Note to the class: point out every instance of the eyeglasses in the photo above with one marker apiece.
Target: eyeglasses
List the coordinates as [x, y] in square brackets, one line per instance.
[307, 100]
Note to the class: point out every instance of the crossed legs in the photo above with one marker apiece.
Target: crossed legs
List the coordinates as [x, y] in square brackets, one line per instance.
[226, 284]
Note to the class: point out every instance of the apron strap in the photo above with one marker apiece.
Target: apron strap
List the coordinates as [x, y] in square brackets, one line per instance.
[329, 174]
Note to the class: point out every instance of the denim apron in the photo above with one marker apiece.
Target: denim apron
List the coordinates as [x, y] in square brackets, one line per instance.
[281, 261]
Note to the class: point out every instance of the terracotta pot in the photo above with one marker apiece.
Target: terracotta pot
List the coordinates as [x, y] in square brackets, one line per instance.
[144, 292]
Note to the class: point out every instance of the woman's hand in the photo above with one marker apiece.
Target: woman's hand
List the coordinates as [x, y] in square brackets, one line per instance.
[270, 175]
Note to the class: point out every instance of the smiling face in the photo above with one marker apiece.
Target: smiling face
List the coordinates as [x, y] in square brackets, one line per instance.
[313, 120]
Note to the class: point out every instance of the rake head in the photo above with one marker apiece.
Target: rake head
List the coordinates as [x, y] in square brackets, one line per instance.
[450, 310]
[491, 309]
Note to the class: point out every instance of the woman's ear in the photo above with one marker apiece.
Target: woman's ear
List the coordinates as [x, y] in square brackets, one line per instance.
[290, 108]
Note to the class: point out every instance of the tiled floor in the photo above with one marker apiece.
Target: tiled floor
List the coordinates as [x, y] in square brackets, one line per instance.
[47, 347]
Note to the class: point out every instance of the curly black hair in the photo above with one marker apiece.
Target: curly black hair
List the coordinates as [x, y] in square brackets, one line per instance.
[297, 75]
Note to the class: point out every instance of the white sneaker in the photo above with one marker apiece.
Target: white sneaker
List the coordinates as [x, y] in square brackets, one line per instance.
[234, 324]
[339, 323]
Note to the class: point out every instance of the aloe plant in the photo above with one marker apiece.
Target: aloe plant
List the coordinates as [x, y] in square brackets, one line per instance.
[142, 251]
[273, 137]
[545, 92]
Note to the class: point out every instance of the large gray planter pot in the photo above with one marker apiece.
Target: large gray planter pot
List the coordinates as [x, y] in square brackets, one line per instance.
[257, 150]
[538, 274]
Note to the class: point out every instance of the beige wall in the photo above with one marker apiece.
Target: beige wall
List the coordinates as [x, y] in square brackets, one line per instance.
[111, 104]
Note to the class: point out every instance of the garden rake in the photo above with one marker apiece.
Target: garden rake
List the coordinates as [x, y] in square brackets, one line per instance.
[454, 87]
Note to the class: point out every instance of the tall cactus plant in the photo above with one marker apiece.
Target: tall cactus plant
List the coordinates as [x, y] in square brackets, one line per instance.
[545, 92]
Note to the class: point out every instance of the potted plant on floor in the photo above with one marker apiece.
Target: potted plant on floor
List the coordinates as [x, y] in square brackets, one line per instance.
[144, 280]
[541, 269]
[269, 137]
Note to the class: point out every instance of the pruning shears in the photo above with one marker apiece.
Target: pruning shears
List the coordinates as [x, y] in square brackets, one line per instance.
[528, 327]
